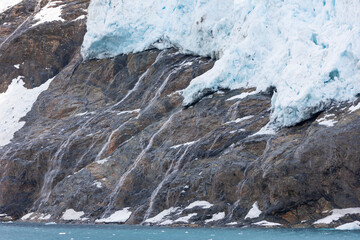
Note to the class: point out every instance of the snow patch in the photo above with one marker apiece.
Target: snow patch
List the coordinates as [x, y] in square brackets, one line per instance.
[166, 222]
[266, 130]
[6, 4]
[160, 217]
[184, 144]
[238, 120]
[241, 96]
[130, 111]
[84, 113]
[80, 18]
[120, 216]
[232, 224]
[236, 131]
[185, 219]
[349, 226]
[72, 215]
[326, 121]
[254, 212]
[44, 217]
[98, 184]
[102, 161]
[27, 216]
[201, 204]
[354, 108]
[49, 13]
[15, 103]
[336, 214]
[267, 224]
[216, 217]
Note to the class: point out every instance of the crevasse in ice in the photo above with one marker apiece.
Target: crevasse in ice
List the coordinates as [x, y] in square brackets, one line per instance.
[309, 50]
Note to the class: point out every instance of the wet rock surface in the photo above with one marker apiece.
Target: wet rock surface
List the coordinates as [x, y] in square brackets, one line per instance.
[112, 134]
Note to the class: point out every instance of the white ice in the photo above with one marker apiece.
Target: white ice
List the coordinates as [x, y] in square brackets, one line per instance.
[185, 219]
[97, 184]
[336, 214]
[254, 212]
[267, 224]
[51, 12]
[160, 217]
[238, 120]
[27, 216]
[349, 226]
[129, 111]
[44, 217]
[120, 216]
[266, 130]
[216, 217]
[102, 161]
[309, 50]
[327, 120]
[6, 4]
[184, 144]
[15, 103]
[354, 108]
[72, 215]
[201, 204]
[241, 96]
[232, 224]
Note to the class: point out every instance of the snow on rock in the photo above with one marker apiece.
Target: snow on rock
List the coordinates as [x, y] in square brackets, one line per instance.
[129, 111]
[166, 222]
[254, 212]
[238, 120]
[120, 216]
[326, 121]
[354, 108]
[44, 217]
[201, 204]
[266, 130]
[241, 96]
[185, 219]
[184, 144]
[27, 216]
[349, 226]
[51, 12]
[6, 4]
[232, 224]
[15, 103]
[97, 184]
[72, 215]
[102, 161]
[267, 224]
[336, 214]
[160, 217]
[216, 217]
[84, 114]
[308, 50]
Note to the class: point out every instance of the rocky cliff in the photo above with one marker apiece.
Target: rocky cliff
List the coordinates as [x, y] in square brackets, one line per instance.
[109, 140]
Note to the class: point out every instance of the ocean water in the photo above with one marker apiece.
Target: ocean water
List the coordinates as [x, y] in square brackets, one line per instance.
[15, 231]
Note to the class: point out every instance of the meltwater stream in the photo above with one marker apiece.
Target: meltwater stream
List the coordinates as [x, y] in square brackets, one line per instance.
[15, 231]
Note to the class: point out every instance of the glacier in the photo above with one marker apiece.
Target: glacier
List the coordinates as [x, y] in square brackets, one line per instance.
[308, 50]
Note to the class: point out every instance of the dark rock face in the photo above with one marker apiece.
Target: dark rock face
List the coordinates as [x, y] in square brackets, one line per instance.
[112, 134]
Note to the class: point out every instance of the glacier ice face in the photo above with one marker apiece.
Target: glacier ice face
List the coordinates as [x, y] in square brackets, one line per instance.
[309, 50]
